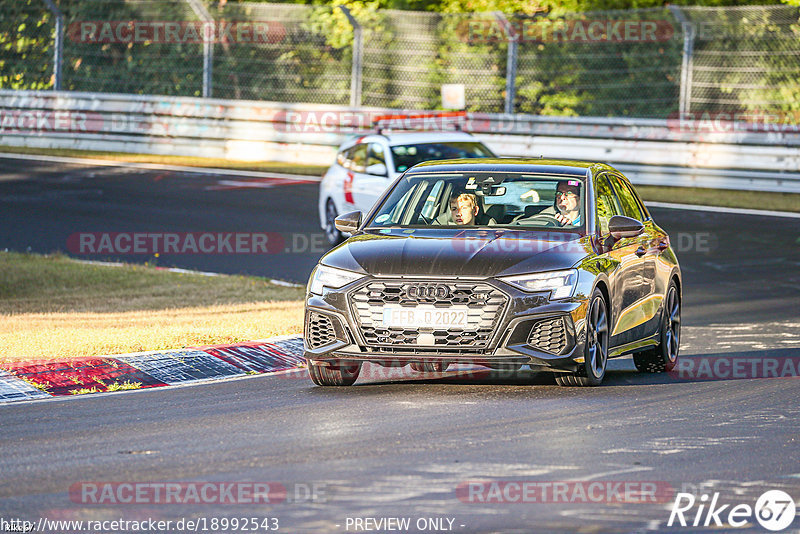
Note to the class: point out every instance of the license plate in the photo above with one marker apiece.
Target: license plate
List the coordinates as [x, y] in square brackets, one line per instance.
[425, 317]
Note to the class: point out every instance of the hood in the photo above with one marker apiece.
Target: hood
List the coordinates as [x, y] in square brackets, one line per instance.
[456, 252]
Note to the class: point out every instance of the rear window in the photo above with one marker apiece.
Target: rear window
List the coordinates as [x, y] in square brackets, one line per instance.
[406, 156]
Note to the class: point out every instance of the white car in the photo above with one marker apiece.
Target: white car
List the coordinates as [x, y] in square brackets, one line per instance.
[365, 166]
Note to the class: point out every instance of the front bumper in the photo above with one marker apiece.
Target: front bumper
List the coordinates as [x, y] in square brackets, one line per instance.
[520, 333]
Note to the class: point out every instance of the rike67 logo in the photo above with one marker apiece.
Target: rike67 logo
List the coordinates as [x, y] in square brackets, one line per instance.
[774, 510]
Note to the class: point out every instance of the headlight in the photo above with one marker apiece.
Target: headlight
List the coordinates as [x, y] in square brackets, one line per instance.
[324, 276]
[559, 283]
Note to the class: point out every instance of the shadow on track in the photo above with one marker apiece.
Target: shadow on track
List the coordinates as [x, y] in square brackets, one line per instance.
[723, 366]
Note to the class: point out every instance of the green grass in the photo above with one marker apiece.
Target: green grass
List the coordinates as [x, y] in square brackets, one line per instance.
[116, 386]
[32, 283]
[721, 197]
[84, 391]
[56, 308]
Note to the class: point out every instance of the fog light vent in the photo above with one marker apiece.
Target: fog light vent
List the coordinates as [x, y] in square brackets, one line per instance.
[548, 335]
[320, 330]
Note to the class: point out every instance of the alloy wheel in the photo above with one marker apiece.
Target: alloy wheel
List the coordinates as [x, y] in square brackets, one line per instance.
[673, 324]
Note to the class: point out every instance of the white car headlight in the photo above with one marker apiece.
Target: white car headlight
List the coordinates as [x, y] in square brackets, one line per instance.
[559, 283]
[330, 277]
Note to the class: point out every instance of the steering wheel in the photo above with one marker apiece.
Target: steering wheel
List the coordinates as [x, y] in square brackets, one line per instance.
[549, 220]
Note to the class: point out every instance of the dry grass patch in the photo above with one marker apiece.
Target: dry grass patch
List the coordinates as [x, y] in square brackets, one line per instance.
[265, 166]
[56, 308]
[64, 336]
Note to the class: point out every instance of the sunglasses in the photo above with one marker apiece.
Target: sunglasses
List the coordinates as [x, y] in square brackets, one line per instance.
[565, 194]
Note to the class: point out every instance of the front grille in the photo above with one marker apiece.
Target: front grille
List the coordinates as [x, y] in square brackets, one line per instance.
[548, 335]
[485, 306]
[320, 330]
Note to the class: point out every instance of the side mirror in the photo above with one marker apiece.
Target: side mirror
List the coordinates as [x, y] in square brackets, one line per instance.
[621, 227]
[349, 222]
[377, 169]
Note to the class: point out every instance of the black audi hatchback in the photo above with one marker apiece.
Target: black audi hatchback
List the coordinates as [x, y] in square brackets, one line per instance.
[503, 263]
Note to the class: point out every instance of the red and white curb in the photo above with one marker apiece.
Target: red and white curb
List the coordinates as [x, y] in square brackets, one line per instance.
[38, 380]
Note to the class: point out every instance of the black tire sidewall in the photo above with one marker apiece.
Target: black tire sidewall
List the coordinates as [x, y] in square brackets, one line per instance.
[333, 237]
[590, 376]
[664, 351]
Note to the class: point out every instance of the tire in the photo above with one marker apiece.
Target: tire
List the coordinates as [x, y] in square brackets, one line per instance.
[333, 235]
[664, 356]
[323, 375]
[595, 352]
[430, 367]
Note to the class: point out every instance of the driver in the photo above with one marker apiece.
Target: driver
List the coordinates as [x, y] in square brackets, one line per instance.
[568, 196]
[566, 207]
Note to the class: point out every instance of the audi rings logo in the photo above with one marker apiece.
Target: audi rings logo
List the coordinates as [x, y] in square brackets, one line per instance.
[427, 292]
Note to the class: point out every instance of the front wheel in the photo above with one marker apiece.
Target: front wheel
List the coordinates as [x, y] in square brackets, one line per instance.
[664, 356]
[595, 353]
[332, 234]
[329, 375]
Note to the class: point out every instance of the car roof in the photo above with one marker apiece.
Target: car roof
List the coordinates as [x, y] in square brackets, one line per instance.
[409, 138]
[579, 169]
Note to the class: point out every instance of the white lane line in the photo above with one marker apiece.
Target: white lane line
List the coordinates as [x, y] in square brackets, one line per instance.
[161, 167]
[719, 209]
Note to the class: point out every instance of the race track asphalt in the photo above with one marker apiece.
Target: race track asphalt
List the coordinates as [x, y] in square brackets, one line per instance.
[401, 447]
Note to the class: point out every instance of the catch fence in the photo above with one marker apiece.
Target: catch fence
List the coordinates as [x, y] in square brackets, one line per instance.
[645, 63]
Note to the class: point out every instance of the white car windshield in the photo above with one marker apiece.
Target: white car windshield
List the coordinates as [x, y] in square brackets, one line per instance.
[406, 156]
[482, 199]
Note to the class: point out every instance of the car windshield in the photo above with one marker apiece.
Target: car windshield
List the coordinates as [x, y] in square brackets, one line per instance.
[481, 199]
[406, 156]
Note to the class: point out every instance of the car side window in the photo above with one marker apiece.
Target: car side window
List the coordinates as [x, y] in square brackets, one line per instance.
[376, 154]
[607, 203]
[358, 158]
[341, 158]
[630, 208]
[432, 201]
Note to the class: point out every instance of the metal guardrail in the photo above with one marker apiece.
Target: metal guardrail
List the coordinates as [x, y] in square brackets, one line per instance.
[650, 151]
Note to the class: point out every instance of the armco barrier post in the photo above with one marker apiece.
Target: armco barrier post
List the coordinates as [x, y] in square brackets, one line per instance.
[511, 61]
[58, 43]
[686, 64]
[208, 45]
[358, 47]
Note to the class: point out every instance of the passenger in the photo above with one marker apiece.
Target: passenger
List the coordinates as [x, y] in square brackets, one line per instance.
[464, 209]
